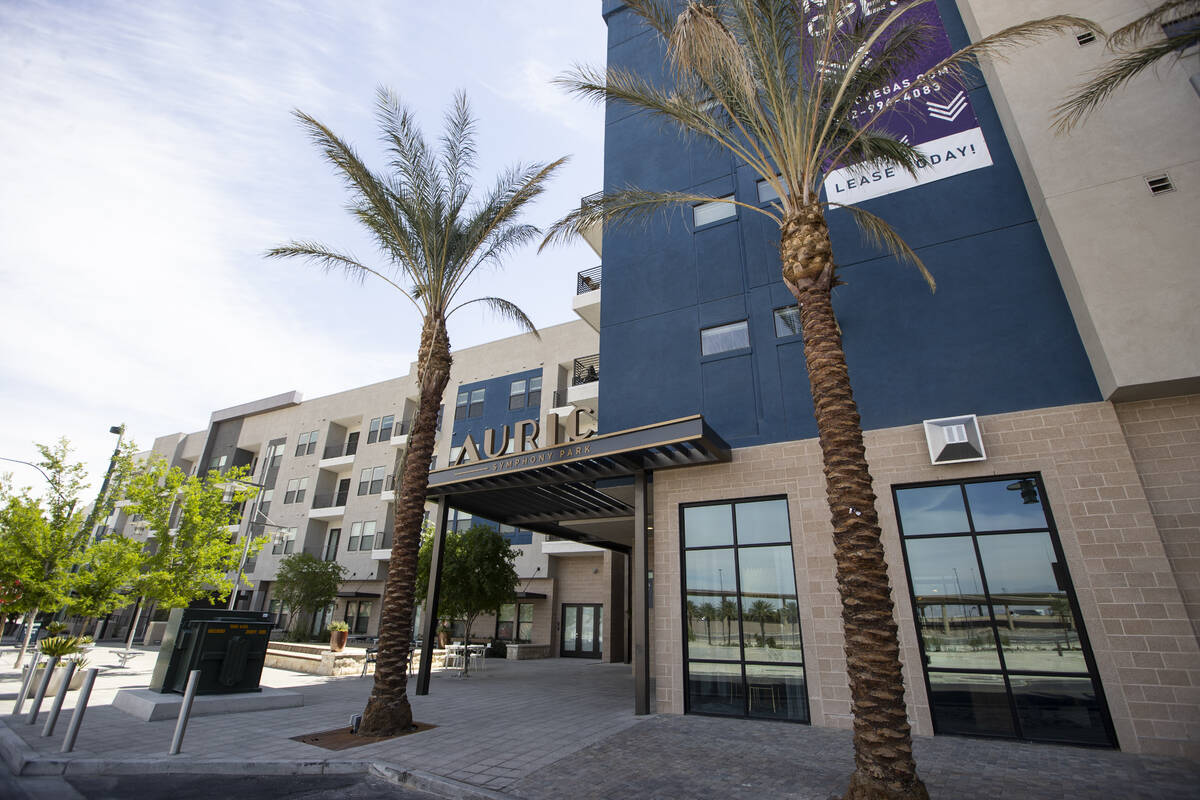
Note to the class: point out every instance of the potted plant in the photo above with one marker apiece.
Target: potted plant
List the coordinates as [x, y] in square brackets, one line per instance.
[443, 633]
[67, 648]
[339, 632]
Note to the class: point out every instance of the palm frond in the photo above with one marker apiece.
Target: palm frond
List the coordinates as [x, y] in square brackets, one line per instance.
[332, 261]
[1087, 98]
[458, 149]
[878, 233]
[505, 310]
[629, 205]
[701, 44]
[1164, 12]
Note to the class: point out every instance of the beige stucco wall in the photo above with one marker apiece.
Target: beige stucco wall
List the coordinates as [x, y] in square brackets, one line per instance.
[1145, 649]
[1126, 258]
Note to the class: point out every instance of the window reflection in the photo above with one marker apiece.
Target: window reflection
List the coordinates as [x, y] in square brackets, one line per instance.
[951, 606]
[707, 526]
[776, 692]
[715, 688]
[1005, 505]
[966, 703]
[1037, 627]
[763, 523]
[932, 509]
[770, 611]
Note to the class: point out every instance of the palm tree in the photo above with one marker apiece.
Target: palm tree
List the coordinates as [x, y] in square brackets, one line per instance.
[709, 610]
[743, 77]
[1134, 56]
[762, 612]
[432, 236]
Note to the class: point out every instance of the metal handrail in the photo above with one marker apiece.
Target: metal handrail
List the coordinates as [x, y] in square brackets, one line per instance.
[588, 280]
[330, 500]
[339, 450]
[586, 370]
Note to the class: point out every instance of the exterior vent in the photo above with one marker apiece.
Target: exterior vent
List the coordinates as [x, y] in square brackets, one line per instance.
[1085, 38]
[953, 440]
[1160, 184]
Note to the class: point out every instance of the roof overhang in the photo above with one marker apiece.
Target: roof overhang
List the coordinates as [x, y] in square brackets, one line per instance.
[542, 489]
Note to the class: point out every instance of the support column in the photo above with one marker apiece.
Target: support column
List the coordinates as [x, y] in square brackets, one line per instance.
[429, 616]
[628, 616]
[641, 610]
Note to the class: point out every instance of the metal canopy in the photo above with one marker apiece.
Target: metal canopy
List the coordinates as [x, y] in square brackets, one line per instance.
[540, 489]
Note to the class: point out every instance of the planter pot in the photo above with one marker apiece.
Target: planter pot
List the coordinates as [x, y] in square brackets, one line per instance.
[55, 681]
[337, 640]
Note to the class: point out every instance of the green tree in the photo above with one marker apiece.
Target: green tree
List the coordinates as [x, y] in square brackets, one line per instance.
[307, 584]
[433, 236]
[107, 572]
[42, 540]
[478, 574]
[191, 551]
[742, 77]
[1136, 48]
[708, 611]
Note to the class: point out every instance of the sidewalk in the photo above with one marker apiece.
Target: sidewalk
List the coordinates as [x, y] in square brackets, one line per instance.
[493, 727]
[554, 728]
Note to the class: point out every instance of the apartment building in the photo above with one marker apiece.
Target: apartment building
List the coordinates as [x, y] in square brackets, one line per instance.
[1033, 428]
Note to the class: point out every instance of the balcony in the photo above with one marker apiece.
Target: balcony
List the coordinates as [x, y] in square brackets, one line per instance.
[388, 495]
[328, 506]
[585, 380]
[595, 234]
[338, 455]
[383, 549]
[587, 297]
[400, 433]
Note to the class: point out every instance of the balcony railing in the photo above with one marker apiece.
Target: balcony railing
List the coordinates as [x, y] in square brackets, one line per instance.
[590, 199]
[560, 398]
[330, 500]
[339, 450]
[587, 281]
[586, 370]
[389, 485]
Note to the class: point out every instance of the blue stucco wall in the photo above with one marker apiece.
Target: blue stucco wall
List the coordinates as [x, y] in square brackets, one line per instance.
[495, 407]
[997, 336]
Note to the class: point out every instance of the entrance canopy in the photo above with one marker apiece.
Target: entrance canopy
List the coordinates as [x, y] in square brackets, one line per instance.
[547, 489]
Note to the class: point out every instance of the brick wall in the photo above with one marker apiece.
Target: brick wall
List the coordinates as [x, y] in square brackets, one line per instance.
[1145, 649]
[1164, 438]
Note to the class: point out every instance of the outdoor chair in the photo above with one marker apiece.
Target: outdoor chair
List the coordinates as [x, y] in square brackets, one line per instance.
[372, 654]
[477, 653]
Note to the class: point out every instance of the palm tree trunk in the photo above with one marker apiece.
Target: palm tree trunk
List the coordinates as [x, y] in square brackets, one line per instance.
[388, 711]
[882, 739]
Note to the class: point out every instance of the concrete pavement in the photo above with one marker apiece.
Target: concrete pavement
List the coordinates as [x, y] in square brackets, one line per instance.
[547, 729]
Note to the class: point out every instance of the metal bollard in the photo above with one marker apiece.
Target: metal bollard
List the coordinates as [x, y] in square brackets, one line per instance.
[189, 694]
[85, 693]
[57, 705]
[41, 692]
[37, 656]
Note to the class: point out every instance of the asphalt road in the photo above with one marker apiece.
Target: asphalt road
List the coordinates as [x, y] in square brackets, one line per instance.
[206, 787]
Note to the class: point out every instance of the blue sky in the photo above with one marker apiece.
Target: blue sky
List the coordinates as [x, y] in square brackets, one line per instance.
[148, 157]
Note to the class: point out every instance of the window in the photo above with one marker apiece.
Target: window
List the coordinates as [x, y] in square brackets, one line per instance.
[516, 395]
[766, 193]
[525, 394]
[516, 536]
[742, 619]
[306, 445]
[370, 481]
[462, 405]
[331, 543]
[734, 336]
[787, 321]
[714, 211]
[274, 456]
[284, 541]
[358, 614]
[362, 536]
[264, 502]
[441, 413]
[476, 409]
[1004, 648]
[380, 429]
[217, 463]
[296, 488]
[514, 622]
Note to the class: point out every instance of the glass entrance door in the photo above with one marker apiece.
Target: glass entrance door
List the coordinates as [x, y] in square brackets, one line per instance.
[582, 631]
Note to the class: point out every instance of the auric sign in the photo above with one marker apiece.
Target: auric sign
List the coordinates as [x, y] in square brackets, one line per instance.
[523, 437]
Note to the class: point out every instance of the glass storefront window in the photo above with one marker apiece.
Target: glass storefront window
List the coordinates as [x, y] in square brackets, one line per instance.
[1005, 653]
[742, 615]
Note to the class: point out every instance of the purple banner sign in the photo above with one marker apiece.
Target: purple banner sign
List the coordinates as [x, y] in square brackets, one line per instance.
[936, 118]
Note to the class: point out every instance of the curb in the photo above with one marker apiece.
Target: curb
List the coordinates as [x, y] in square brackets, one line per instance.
[24, 761]
[429, 783]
